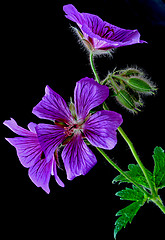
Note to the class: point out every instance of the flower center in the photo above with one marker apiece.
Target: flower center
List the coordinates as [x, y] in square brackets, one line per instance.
[70, 130]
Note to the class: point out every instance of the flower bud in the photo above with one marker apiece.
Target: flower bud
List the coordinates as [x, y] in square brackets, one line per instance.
[131, 72]
[135, 95]
[125, 99]
[140, 85]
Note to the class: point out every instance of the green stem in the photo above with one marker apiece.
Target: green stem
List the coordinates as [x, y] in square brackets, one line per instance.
[159, 203]
[130, 144]
[122, 172]
[153, 196]
[93, 67]
[115, 86]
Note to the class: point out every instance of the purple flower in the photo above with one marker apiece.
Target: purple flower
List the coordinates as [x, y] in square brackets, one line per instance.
[72, 126]
[99, 35]
[31, 155]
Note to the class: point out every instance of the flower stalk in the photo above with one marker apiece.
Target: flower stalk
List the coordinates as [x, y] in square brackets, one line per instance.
[159, 203]
[130, 144]
[93, 67]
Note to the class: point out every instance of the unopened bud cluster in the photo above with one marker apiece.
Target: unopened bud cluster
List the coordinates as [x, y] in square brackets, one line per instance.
[128, 85]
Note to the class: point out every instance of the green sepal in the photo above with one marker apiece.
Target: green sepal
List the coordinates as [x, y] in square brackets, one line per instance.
[72, 108]
[125, 99]
[159, 168]
[86, 141]
[134, 94]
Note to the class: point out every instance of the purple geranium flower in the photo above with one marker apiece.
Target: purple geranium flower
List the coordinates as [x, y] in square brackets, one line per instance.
[99, 35]
[31, 155]
[73, 128]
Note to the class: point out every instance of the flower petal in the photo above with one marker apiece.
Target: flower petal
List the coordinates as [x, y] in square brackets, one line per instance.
[58, 180]
[27, 146]
[77, 157]
[73, 14]
[52, 107]
[32, 127]
[107, 36]
[17, 129]
[87, 95]
[28, 149]
[100, 129]
[40, 174]
[50, 137]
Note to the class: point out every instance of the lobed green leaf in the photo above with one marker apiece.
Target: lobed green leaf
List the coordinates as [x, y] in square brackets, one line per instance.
[128, 213]
[136, 174]
[131, 194]
[159, 168]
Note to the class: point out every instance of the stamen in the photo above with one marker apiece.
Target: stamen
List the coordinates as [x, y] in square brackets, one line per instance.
[108, 31]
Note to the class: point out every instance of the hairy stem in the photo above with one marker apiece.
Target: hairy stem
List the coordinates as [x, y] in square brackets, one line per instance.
[93, 67]
[130, 144]
[159, 203]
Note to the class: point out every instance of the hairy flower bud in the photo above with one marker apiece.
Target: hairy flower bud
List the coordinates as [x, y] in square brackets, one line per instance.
[126, 100]
[140, 85]
[131, 72]
[135, 95]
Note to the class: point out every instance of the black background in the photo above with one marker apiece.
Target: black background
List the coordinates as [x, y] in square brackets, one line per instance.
[39, 49]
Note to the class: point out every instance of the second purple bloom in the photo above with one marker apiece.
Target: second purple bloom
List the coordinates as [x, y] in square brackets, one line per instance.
[73, 125]
[99, 35]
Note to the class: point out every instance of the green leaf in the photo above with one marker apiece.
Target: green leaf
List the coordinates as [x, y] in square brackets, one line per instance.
[159, 169]
[136, 174]
[131, 194]
[128, 213]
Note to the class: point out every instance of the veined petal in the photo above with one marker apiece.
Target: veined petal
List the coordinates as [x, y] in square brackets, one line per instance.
[100, 129]
[52, 107]
[50, 137]
[73, 14]
[87, 95]
[17, 129]
[77, 157]
[94, 25]
[40, 173]
[101, 34]
[30, 154]
[27, 146]
[28, 149]
[58, 180]
[32, 127]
